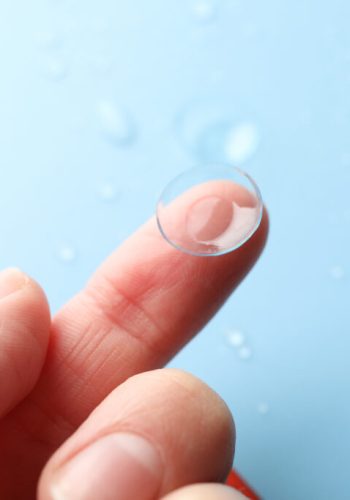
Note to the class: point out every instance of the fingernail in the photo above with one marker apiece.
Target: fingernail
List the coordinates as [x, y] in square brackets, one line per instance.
[11, 280]
[119, 466]
[209, 217]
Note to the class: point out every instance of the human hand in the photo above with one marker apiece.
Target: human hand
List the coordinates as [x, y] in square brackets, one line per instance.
[83, 405]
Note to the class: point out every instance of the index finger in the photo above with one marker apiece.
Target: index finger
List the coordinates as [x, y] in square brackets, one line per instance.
[140, 307]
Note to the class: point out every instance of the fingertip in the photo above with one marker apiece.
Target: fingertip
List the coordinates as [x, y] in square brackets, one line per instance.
[24, 334]
[29, 305]
[262, 232]
[204, 491]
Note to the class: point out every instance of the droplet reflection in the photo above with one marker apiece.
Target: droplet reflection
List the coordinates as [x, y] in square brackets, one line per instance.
[211, 134]
[67, 253]
[116, 123]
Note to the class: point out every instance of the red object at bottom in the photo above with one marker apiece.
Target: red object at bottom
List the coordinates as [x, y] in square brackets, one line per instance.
[237, 482]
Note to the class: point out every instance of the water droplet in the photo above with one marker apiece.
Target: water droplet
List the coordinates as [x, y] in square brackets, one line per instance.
[107, 191]
[116, 123]
[235, 338]
[263, 408]
[204, 11]
[57, 69]
[245, 353]
[241, 143]
[212, 135]
[337, 272]
[67, 253]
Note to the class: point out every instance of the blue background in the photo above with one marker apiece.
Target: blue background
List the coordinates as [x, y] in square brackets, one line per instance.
[282, 66]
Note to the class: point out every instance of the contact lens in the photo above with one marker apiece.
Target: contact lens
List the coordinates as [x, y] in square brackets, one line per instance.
[209, 210]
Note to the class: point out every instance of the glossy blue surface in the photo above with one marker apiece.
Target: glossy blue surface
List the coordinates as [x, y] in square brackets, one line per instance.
[282, 66]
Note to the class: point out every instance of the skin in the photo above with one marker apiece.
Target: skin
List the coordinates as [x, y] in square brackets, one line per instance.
[94, 372]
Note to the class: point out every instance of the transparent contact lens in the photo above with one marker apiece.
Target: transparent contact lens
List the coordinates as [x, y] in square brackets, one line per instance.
[209, 210]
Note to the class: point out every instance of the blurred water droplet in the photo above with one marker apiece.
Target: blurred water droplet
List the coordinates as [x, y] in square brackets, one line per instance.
[204, 11]
[245, 353]
[107, 192]
[116, 123]
[235, 338]
[212, 135]
[49, 40]
[241, 143]
[337, 272]
[66, 253]
[56, 69]
[263, 408]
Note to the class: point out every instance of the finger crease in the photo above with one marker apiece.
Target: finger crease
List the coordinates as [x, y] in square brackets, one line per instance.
[127, 314]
